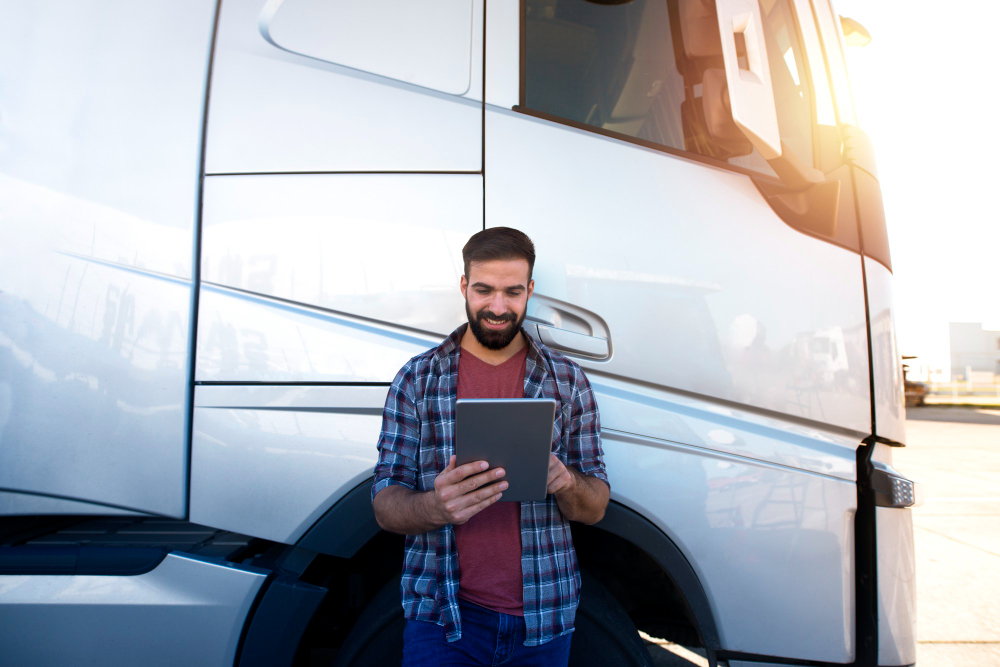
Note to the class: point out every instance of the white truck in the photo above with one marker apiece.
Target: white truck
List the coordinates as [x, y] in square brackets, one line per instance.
[224, 226]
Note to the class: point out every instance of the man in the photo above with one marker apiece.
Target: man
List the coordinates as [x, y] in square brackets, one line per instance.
[487, 582]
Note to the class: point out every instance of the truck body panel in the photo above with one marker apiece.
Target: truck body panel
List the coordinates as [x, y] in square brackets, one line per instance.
[305, 114]
[199, 320]
[102, 118]
[185, 611]
[252, 444]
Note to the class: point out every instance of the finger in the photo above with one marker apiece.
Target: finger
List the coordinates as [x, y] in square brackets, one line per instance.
[448, 470]
[476, 481]
[558, 482]
[457, 506]
[451, 488]
[469, 512]
[470, 499]
[442, 476]
[552, 483]
[461, 472]
[555, 472]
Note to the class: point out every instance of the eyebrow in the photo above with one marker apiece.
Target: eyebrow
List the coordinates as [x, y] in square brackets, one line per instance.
[520, 287]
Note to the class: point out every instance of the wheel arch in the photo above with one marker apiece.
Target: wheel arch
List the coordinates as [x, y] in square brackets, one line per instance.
[346, 527]
[350, 524]
[644, 535]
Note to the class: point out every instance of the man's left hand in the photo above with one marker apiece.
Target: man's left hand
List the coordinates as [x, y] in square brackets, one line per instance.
[560, 477]
[580, 498]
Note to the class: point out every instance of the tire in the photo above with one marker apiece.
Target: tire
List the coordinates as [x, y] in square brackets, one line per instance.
[376, 640]
[604, 635]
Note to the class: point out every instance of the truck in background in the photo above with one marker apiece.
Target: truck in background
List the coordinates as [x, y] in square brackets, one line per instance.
[224, 226]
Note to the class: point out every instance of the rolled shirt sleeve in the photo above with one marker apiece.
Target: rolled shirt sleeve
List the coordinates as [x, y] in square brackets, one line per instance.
[584, 452]
[399, 440]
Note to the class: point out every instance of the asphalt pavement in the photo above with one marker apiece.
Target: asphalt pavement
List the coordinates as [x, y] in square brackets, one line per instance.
[954, 453]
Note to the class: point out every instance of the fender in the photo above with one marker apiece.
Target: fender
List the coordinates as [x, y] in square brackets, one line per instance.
[633, 527]
[346, 527]
[350, 523]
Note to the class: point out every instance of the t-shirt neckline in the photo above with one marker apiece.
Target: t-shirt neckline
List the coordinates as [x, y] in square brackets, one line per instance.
[523, 352]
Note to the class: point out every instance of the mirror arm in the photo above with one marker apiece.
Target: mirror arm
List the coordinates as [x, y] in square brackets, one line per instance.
[805, 199]
[793, 172]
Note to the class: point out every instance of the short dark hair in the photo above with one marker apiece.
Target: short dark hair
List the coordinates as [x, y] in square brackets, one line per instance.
[499, 243]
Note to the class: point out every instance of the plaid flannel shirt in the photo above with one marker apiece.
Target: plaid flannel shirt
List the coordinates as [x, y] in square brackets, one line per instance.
[418, 439]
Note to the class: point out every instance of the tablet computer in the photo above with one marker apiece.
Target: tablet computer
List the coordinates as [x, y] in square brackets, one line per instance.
[510, 433]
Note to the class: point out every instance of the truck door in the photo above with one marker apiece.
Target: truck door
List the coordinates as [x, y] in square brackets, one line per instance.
[701, 309]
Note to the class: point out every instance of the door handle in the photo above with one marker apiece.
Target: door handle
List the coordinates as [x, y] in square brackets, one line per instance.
[567, 328]
[574, 343]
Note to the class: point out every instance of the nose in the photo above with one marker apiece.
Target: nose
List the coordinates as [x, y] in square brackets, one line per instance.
[497, 305]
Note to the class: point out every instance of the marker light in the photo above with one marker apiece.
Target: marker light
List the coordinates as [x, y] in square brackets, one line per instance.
[892, 489]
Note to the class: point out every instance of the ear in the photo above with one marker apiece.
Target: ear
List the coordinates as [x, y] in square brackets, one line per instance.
[531, 289]
[463, 285]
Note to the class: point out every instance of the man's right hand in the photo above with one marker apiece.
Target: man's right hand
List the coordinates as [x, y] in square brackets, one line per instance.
[461, 492]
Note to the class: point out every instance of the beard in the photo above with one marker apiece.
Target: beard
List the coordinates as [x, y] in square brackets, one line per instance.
[494, 339]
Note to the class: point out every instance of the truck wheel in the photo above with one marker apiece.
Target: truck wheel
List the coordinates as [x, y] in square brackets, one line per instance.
[605, 635]
[376, 639]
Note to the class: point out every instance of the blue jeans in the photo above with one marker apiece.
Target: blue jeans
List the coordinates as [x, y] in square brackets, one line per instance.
[488, 638]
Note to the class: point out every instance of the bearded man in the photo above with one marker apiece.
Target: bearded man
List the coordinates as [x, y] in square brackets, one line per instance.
[487, 582]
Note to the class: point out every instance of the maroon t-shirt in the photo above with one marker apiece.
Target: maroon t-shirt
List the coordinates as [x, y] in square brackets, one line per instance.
[489, 544]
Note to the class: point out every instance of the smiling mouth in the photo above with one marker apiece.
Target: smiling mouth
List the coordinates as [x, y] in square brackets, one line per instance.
[496, 323]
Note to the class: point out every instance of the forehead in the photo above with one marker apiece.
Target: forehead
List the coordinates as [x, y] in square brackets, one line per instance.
[499, 272]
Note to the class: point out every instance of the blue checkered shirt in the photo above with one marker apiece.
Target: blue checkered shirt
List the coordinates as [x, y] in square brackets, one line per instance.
[418, 439]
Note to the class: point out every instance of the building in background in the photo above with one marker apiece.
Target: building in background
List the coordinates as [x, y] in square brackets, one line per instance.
[975, 352]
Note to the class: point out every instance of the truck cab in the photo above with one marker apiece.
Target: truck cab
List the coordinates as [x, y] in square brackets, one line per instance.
[227, 225]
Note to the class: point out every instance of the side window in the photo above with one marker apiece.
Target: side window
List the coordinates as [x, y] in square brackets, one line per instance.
[652, 70]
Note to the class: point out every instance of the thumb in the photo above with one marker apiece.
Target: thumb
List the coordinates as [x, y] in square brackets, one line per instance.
[451, 464]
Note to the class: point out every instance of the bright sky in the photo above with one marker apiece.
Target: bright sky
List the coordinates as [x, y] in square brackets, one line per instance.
[927, 96]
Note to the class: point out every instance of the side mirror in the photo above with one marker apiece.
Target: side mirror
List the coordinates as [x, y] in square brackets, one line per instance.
[748, 75]
[855, 34]
[751, 97]
[719, 115]
[807, 199]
